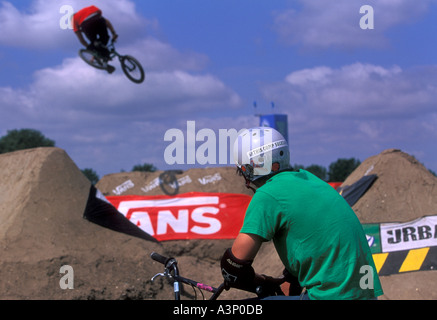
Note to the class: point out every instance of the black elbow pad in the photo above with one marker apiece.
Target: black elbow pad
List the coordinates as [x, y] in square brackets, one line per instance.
[237, 273]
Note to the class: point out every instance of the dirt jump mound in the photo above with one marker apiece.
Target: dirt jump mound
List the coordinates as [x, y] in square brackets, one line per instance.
[403, 191]
[173, 182]
[44, 197]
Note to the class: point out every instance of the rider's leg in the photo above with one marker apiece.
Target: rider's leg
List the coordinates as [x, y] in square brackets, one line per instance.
[90, 31]
[103, 36]
[110, 68]
[96, 32]
[102, 31]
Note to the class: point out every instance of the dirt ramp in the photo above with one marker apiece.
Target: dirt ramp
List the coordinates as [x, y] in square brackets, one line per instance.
[44, 193]
[218, 179]
[42, 200]
[404, 191]
[43, 196]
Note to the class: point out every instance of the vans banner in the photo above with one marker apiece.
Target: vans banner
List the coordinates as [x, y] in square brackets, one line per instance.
[198, 215]
[192, 215]
[396, 247]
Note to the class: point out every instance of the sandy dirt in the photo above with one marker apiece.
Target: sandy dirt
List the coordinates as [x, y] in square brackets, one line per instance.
[42, 200]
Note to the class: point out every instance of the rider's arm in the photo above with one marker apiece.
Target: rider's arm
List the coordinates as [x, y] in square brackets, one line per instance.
[236, 263]
[111, 28]
[81, 38]
[246, 247]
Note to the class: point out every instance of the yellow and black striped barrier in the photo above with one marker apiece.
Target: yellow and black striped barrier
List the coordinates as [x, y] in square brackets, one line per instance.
[423, 259]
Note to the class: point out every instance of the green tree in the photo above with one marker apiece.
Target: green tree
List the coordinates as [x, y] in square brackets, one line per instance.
[318, 171]
[342, 168]
[147, 167]
[24, 139]
[91, 175]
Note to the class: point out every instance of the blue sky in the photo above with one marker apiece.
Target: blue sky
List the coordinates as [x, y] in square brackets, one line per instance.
[348, 92]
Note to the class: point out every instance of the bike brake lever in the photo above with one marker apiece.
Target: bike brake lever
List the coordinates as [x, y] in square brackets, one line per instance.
[157, 275]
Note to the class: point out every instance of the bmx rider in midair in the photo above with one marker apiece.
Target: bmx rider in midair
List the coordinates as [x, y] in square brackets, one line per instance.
[90, 21]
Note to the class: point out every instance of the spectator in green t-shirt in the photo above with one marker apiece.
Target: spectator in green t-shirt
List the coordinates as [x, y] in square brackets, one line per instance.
[317, 235]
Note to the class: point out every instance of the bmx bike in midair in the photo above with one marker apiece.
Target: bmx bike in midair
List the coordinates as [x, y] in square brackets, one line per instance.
[130, 66]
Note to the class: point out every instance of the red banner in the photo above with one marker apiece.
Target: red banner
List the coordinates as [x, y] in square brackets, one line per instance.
[192, 215]
[335, 185]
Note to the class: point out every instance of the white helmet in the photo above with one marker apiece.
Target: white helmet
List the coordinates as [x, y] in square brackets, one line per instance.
[261, 151]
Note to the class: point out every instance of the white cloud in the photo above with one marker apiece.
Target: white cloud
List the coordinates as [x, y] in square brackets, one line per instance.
[76, 86]
[307, 76]
[158, 55]
[359, 91]
[105, 120]
[91, 113]
[174, 82]
[357, 110]
[336, 24]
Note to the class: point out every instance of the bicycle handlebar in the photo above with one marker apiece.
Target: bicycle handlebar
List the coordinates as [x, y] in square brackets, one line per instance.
[158, 258]
[170, 265]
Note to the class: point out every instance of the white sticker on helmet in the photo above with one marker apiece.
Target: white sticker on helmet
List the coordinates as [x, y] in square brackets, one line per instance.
[266, 148]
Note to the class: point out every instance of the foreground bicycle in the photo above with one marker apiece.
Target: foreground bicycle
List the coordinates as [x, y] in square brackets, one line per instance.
[130, 66]
[171, 271]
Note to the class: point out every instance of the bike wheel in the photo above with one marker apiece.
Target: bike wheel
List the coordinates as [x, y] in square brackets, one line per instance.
[169, 183]
[90, 58]
[132, 69]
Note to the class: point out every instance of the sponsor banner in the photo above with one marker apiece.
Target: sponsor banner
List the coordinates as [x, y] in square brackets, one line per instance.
[416, 234]
[100, 211]
[372, 232]
[192, 215]
[403, 247]
[396, 247]
[123, 187]
[335, 185]
[390, 237]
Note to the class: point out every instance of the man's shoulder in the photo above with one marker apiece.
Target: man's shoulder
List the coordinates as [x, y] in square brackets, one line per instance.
[285, 178]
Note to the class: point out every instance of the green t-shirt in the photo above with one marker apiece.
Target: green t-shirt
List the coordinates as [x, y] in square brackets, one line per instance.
[317, 235]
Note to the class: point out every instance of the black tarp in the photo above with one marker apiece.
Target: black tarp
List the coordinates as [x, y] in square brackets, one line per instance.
[355, 191]
[100, 211]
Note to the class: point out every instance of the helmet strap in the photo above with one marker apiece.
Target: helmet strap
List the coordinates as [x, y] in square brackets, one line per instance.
[248, 182]
[248, 186]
